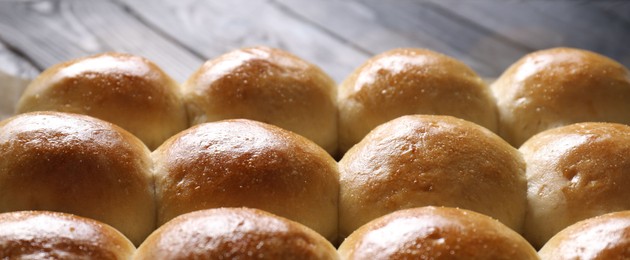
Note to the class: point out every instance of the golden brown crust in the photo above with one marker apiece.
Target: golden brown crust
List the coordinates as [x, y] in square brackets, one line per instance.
[435, 233]
[234, 233]
[127, 90]
[575, 172]
[267, 85]
[603, 237]
[53, 235]
[423, 160]
[77, 164]
[241, 162]
[557, 87]
[410, 81]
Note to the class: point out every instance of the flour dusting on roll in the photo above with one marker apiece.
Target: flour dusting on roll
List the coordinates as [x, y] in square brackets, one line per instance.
[410, 81]
[124, 89]
[245, 163]
[54, 235]
[423, 160]
[435, 233]
[234, 233]
[575, 172]
[77, 164]
[603, 237]
[557, 87]
[267, 85]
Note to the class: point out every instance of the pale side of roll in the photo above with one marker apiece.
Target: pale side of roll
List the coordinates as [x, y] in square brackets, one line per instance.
[410, 81]
[124, 89]
[267, 85]
[575, 172]
[53, 235]
[77, 164]
[234, 233]
[435, 233]
[246, 163]
[557, 87]
[427, 160]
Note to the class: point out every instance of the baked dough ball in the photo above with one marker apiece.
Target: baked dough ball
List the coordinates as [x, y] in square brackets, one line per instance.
[53, 235]
[77, 164]
[126, 90]
[575, 172]
[410, 81]
[603, 237]
[234, 233]
[558, 87]
[423, 160]
[435, 233]
[245, 163]
[267, 85]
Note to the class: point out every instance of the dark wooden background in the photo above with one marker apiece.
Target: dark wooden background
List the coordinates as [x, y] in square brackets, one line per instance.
[336, 35]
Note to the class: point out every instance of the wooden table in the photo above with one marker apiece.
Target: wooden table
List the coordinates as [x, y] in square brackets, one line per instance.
[336, 35]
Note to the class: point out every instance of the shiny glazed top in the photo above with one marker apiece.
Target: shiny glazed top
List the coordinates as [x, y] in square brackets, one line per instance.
[423, 160]
[603, 237]
[241, 162]
[234, 233]
[411, 81]
[557, 87]
[52, 235]
[267, 85]
[127, 90]
[77, 164]
[435, 233]
[575, 172]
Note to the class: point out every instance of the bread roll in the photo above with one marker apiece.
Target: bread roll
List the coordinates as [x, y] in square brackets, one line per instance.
[267, 85]
[234, 233]
[126, 90]
[558, 87]
[77, 164]
[242, 162]
[603, 237]
[575, 172]
[435, 233]
[410, 81]
[423, 160]
[53, 235]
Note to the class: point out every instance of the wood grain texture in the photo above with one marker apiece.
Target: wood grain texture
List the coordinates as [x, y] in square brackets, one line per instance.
[336, 35]
[619, 9]
[378, 26]
[53, 31]
[212, 28]
[12, 63]
[546, 24]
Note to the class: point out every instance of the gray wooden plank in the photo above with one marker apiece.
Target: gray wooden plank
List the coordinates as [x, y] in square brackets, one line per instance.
[546, 24]
[620, 9]
[12, 64]
[382, 25]
[49, 32]
[592, 29]
[212, 28]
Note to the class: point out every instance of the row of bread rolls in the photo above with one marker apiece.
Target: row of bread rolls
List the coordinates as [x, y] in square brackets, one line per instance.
[556, 178]
[485, 173]
[544, 89]
[260, 83]
[224, 233]
[243, 233]
[85, 166]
